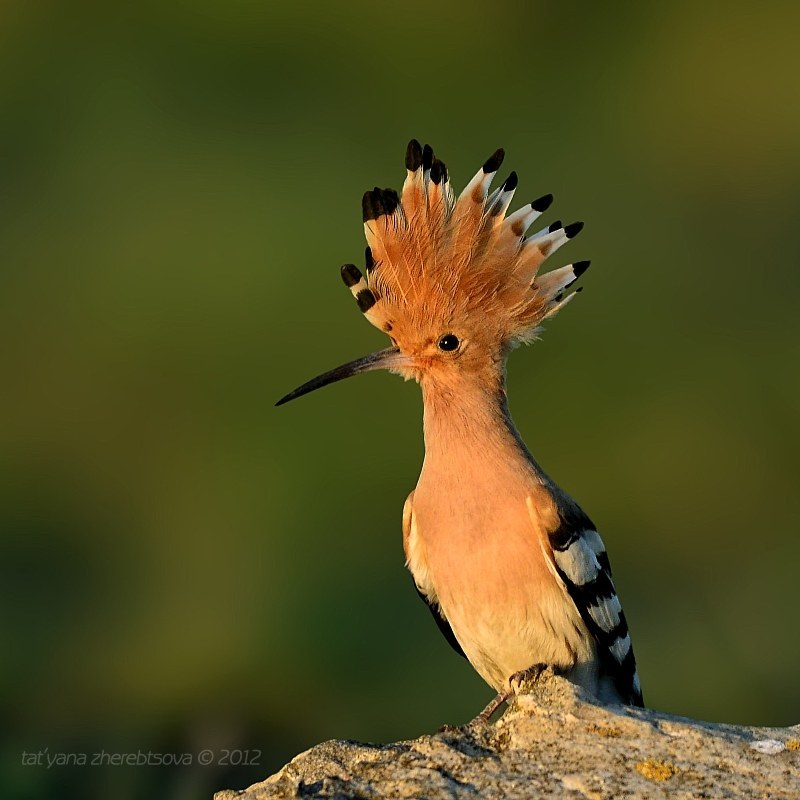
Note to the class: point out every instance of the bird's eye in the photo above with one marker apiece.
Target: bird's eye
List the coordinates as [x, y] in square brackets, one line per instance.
[449, 342]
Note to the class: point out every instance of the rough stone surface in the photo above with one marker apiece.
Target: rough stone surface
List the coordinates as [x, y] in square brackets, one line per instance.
[553, 742]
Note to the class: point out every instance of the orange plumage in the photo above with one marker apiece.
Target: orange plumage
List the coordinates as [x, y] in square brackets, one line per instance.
[513, 570]
[437, 260]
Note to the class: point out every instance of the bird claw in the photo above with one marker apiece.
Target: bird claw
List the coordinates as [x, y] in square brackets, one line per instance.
[516, 683]
[519, 680]
[447, 728]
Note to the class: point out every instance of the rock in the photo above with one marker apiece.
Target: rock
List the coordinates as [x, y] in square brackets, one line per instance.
[554, 741]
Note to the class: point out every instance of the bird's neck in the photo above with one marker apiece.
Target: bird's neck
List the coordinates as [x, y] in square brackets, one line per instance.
[466, 420]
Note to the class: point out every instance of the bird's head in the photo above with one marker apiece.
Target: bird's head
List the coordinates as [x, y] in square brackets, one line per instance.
[452, 281]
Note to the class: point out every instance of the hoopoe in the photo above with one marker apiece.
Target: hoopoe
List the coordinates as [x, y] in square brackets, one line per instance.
[512, 569]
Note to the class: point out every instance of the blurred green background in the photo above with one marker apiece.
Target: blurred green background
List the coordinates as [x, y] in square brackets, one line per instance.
[182, 566]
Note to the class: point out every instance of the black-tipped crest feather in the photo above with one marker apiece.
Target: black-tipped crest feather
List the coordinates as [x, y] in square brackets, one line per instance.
[543, 203]
[351, 275]
[427, 157]
[492, 164]
[413, 156]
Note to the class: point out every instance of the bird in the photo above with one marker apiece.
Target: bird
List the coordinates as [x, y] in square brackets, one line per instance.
[511, 567]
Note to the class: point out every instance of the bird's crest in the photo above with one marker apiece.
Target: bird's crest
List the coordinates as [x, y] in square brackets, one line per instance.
[433, 255]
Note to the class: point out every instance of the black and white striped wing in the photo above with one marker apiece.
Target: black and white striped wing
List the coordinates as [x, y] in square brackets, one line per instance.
[582, 563]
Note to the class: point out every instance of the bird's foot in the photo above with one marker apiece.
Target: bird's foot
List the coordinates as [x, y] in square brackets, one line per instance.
[517, 684]
[447, 728]
[486, 714]
[522, 682]
[518, 681]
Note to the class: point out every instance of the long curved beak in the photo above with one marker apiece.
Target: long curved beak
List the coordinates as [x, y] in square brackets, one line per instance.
[383, 359]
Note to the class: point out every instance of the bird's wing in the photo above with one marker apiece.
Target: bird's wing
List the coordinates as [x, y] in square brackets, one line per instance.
[579, 559]
[419, 572]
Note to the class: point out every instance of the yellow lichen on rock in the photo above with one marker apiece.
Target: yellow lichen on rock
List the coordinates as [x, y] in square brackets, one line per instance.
[604, 730]
[655, 769]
